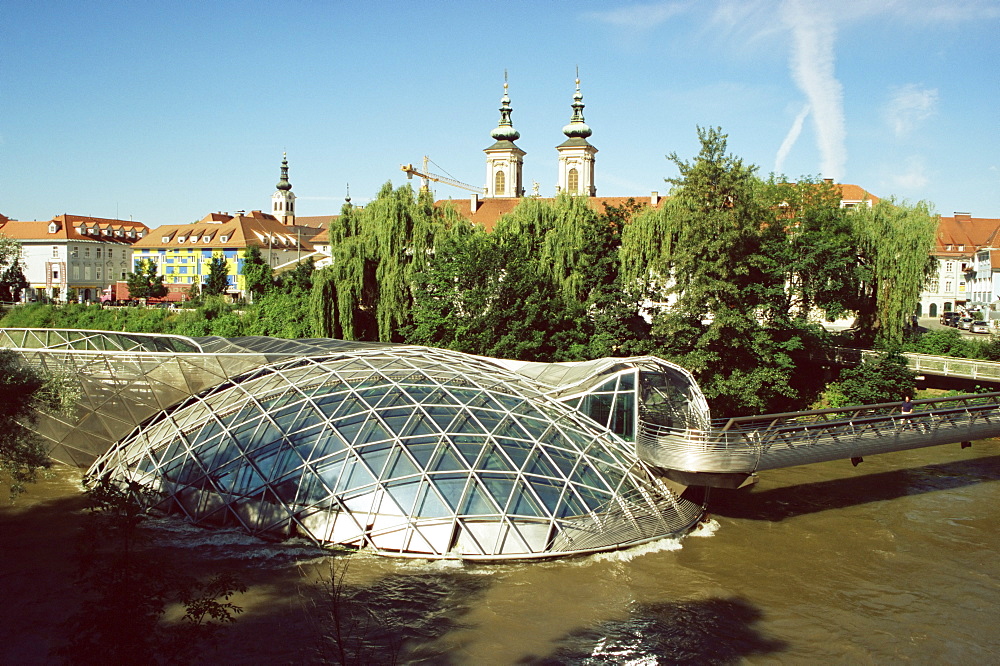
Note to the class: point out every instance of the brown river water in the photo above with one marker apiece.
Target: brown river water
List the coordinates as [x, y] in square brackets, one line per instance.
[894, 560]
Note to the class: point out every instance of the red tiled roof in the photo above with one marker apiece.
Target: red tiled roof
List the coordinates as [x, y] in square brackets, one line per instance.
[490, 210]
[241, 231]
[964, 230]
[66, 229]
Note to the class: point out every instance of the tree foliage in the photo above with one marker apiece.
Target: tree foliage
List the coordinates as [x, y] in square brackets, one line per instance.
[711, 256]
[884, 379]
[894, 241]
[22, 391]
[217, 280]
[144, 282]
[257, 274]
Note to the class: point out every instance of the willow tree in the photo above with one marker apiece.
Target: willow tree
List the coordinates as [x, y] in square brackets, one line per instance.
[520, 291]
[709, 255]
[894, 242]
[375, 252]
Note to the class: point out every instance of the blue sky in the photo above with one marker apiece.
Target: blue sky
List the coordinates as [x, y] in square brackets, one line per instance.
[166, 111]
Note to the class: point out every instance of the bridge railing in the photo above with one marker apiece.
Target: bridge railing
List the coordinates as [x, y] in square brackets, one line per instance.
[742, 445]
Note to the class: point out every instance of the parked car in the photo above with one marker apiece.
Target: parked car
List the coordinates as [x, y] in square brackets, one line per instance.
[980, 327]
[950, 318]
[965, 322]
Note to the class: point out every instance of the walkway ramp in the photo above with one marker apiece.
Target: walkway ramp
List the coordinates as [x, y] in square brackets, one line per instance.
[733, 449]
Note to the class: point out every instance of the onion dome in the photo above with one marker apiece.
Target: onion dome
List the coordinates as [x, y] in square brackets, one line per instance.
[283, 184]
[505, 129]
[577, 129]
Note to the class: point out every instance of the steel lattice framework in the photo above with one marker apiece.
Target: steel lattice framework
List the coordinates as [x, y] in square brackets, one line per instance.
[407, 450]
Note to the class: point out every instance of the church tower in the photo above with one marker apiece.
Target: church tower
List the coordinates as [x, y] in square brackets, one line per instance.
[283, 201]
[576, 155]
[504, 160]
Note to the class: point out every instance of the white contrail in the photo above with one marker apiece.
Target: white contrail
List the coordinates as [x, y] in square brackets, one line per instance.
[812, 64]
[790, 139]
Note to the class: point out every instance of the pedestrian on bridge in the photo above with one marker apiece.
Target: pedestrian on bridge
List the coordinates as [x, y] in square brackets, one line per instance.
[906, 410]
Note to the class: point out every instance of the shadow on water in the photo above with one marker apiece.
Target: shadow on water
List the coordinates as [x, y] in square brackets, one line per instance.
[787, 502]
[711, 631]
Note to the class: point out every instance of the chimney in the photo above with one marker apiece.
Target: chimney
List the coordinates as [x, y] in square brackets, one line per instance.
[963, 216]
[474, 202]
[654, 198]
[828, 181]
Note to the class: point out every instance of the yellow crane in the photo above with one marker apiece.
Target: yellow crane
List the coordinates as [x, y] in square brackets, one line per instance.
[425, 175]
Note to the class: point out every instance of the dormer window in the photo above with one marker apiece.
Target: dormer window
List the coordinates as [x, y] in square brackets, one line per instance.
[949, 248]
[165, 239]
[81, 230]
[194, 239]
[181, 239]
[118, 232]
[131, 233]
[105, 232]
[961, 248]
[53, 227]
[223, 239]
[206, 239]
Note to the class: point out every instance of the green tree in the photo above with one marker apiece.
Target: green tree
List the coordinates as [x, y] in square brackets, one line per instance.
[710, 255]
[12, 280]
[144, 282]
[217, 280]
[820, 257]
[127, 590]
[22, 392]
[884, 379]
[257, 274]
[894, 244]
[376, 251]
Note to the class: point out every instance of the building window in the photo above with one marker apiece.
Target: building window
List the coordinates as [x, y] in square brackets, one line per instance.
[74, 252]
[947, 286]
[949, 267]
[97, 273]
[573, 181]
[55, 251]
[499, 184]
[961, 248]
[933, 286]
[97, 253]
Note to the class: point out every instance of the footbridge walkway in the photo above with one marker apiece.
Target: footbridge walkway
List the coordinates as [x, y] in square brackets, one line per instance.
[731, 450]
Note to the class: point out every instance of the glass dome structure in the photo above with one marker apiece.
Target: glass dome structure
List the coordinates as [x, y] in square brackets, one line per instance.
[411, 451]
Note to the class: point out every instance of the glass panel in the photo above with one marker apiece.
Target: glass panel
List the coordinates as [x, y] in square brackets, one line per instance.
[442, 415]
[350, 426]
[493, 460]
[355, 475]
[372, 432]
[395, 419]
[418, 425]
[431, 506]
[515, 450]
[451, 487]
[449, 460]
[627, 382]
[477, 502]
[421, 452]
[375, 457]
[539, 464]
[499, 487]
[400, 465]
[570, 506]
[404, 493]
[548, 492]
[523, 504]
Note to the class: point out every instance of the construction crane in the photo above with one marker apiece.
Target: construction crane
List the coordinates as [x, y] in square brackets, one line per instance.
[426, 175]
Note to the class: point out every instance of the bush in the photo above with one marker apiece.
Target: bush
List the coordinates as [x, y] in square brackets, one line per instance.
[885, 379]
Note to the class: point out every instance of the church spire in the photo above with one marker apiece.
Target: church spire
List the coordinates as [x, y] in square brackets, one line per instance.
[283, 183]
[283, 201]
[576, 155]
[577, 128]
[504, 160]
[505, 128]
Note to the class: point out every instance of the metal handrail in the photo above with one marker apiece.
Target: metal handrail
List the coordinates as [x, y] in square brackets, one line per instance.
[743, 445]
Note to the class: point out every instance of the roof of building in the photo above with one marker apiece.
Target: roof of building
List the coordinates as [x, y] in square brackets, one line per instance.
[488, 211]
[242, 230]
[68, 227]
[961, 234]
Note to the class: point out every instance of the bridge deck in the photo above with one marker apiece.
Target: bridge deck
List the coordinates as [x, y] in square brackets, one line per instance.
[733, 449]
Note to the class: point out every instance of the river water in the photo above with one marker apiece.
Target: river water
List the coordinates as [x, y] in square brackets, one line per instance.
[894, 560]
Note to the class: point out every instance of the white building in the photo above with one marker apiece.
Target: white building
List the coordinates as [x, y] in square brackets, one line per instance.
[74, 254]
[963, 280]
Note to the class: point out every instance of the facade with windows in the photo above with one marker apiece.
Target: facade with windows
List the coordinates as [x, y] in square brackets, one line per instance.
[74, 255]
[183, 252]
[963, 279]
[404, 450]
